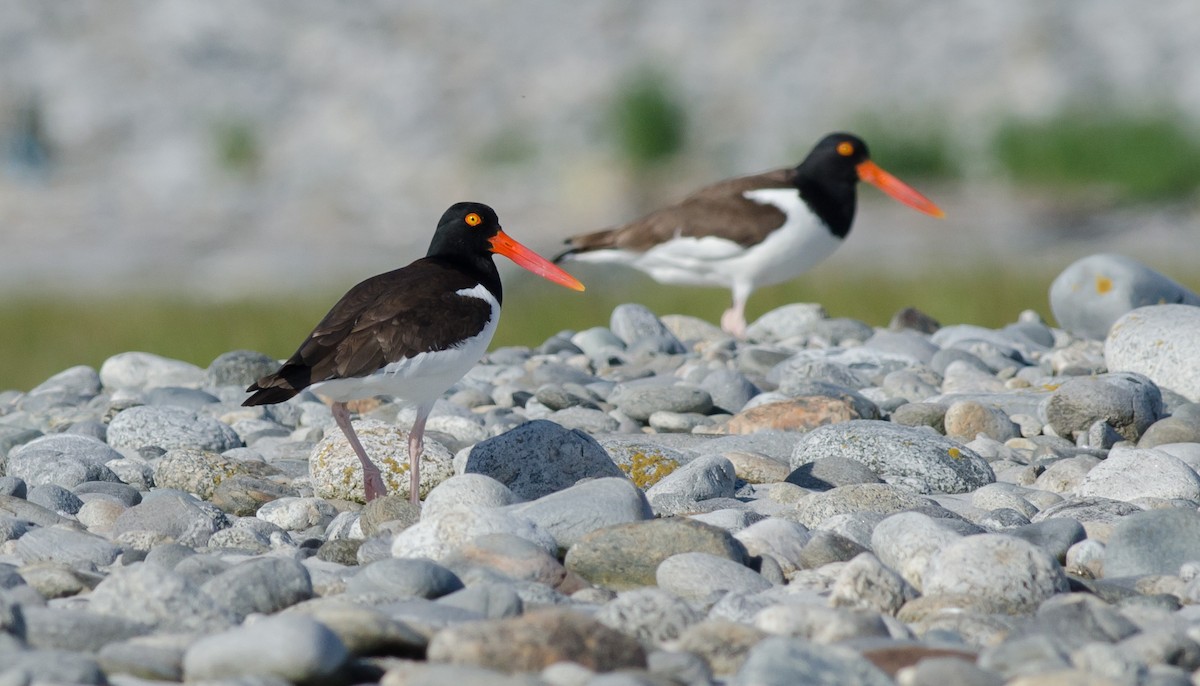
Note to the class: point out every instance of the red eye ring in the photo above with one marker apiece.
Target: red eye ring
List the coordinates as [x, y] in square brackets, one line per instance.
[473, 219]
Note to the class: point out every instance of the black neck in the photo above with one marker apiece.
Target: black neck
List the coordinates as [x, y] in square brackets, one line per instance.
[832, 199]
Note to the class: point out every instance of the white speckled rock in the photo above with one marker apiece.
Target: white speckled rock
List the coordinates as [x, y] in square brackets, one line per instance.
[1004, 573]
[906, 542]
[337, 473]
[473, 490]
[892, 450]
[1161, 342]
[1158, 475]
[290, 646]
[438, 536]
[1095, 291]
[704, 578]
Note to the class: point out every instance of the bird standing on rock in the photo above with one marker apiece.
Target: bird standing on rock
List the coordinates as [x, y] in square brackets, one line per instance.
[410, 333]
[752, 231]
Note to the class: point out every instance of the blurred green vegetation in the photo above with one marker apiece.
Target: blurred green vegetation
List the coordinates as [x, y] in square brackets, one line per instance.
[43, 336]
[1142, 157]
[914, 149]
[238, 150]
[647, 120]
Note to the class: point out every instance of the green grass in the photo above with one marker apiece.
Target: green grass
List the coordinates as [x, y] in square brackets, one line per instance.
[1141, 158]
[43, 337]
[909, 148]
[647, 120]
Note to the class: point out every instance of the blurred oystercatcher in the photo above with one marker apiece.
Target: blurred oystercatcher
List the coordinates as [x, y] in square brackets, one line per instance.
[410, 333]
[751, 231]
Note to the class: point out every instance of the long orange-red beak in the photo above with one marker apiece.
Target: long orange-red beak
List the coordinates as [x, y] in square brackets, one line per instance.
[503, 244]
[873, 174]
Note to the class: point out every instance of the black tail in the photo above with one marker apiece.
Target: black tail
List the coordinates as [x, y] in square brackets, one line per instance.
[564, 254]
[278, 387]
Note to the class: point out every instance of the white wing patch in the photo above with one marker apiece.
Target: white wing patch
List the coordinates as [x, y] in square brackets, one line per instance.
[795, 247]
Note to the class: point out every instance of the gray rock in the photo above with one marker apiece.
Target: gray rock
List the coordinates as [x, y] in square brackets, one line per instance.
[729, 389]
[52, 667]
[865, 583]
[472, 490]
[636, 325]
[1128, 402]
[122, 493]
[289, 646]
[1097, 515]
[1173, 429]
[1055, 536]
[76, 630]
[1026, 656]
[782, 661]
[540, 457]
[651, 615]
[782, 539]
[907, 541]
[585, 419]
[139, 370]
[706, 477]
[172, 515]
[704, 578]
[536, 640]
[22, 509]
[56, 498]
[1153, 542]
[404, 578]
[572, 513]
[169, 427]
[897, 451]
[820, 624]
[153, 658]
[784, 322]
[627, 556]
[825, 473]
[940, 671]
[264, 585]
[826, 547]
[490, 600]
[1091, 294]
[857, 498]
[640, 400]
[437, 536]
[1159, 476]
[75, 548]
[152, 595]
[1004, 573]
[1159, 342]
[239, 368]
[187, 398]
[297, 514]
[63, 459]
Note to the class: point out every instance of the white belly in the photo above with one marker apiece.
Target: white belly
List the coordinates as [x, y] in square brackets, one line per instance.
[422, 378]
[800, 244]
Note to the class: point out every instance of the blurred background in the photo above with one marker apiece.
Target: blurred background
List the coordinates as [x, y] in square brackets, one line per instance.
[189, 177]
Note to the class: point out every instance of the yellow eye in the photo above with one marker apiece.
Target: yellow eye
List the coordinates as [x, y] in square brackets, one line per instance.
[845, 148]
[473, 219]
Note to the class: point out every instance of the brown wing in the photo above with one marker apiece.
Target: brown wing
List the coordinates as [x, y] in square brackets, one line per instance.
[387, 318]
[720, 209]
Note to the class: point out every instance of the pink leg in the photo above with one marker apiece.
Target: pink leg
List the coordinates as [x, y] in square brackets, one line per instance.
[373, 485]
[733, 322]
[416, 442]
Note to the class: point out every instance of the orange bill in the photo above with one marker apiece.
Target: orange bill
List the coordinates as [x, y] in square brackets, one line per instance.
[503, 244]
[873, 174]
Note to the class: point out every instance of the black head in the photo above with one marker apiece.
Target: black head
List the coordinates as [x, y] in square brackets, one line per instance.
[465, 229]
[828, 176]
[837, 156]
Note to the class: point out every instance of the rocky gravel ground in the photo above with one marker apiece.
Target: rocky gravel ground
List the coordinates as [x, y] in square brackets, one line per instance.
[646, 503]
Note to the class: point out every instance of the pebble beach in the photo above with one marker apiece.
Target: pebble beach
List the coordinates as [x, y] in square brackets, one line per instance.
[645, 502]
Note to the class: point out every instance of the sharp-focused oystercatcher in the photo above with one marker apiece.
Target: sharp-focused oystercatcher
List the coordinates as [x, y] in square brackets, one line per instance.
[410, 333]
[751, 231]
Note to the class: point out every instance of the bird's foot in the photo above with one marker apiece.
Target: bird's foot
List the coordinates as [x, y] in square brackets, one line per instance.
[373, 484]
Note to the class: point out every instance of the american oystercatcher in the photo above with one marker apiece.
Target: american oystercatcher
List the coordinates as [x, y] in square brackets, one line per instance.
[409, 333]
[751, 231]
